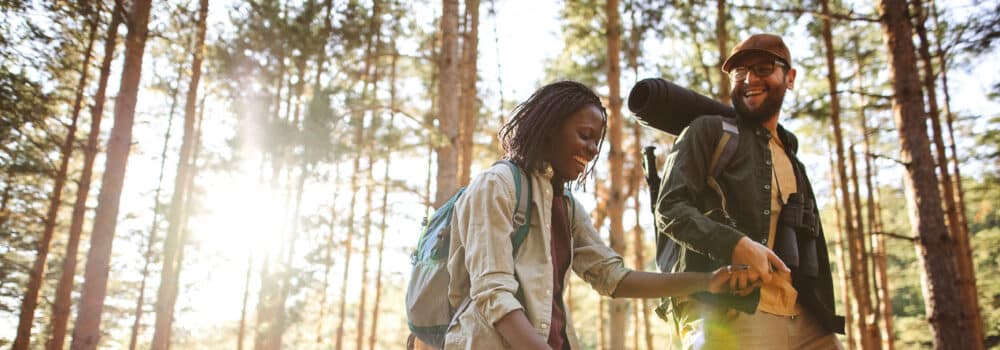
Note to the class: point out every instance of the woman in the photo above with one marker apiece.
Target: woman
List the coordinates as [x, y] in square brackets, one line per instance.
[554, 138]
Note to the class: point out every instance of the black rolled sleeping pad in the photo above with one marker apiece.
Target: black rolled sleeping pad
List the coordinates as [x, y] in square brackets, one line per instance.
[668, 107]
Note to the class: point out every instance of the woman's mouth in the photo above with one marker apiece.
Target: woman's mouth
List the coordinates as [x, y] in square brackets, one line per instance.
[581, 161]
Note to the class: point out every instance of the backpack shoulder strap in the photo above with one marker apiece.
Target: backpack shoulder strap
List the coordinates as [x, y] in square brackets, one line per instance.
[522, 212]
[722, 156]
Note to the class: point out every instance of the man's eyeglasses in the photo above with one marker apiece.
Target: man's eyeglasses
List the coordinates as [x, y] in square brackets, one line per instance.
[761, 70]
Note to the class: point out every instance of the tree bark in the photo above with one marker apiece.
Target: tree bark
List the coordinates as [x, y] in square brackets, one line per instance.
[469, 103]
[173, 246]
[956, 227]
[63, 300]
[856, 251]
[963, 221]
[87, 328]
[934, 249]
[616, 204]
[37, 273]
[447, 157]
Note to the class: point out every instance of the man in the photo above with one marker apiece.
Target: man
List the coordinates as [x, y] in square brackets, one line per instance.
[793, 305]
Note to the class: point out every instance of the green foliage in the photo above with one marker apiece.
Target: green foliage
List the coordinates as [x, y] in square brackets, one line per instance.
[584, 54]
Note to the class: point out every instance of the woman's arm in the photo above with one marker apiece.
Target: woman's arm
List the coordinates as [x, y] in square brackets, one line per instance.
[518, 332]
[642, 284]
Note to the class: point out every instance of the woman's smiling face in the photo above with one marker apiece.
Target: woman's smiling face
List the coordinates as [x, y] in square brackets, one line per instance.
[576, 142]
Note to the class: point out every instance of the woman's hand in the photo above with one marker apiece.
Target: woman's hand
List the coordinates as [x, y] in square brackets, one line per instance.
[721, 279]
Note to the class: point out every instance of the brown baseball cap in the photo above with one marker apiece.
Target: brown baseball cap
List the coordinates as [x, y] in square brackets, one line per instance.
[766, 43]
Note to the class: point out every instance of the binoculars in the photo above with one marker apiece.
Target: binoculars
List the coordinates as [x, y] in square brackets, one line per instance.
[795, 237]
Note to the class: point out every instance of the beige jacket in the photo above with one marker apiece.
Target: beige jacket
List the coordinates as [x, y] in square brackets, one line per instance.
[482, 266]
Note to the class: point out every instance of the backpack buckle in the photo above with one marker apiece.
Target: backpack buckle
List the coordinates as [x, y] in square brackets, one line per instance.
[518, 219]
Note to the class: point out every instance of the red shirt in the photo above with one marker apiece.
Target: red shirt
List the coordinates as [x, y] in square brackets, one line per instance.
[561, 254]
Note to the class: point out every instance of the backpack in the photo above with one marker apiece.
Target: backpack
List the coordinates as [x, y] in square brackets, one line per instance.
[667, 250]
[428, 311]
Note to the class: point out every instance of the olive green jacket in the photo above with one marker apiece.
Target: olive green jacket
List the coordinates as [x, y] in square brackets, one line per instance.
[687, 210]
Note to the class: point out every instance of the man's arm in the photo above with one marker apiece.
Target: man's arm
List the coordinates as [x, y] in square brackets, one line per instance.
[684, 182]
[678, 215]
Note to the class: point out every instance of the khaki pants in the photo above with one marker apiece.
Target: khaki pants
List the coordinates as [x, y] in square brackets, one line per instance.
[736, 330]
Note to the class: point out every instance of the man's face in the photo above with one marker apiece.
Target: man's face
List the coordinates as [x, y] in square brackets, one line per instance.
[759, 98]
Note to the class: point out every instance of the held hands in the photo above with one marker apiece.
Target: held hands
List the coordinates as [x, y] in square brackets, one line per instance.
[719, 280]
[761, 262]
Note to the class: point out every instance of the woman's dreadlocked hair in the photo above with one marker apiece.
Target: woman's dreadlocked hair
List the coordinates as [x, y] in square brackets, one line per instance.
[525, 137]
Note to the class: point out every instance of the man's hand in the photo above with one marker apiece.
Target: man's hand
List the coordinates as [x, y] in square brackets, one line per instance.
[761, 261]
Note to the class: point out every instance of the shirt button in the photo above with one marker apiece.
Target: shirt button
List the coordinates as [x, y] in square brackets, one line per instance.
[545, 325]
[767, 187]
[548, 292]
[768, 162]
[767, 212]
[764, 241]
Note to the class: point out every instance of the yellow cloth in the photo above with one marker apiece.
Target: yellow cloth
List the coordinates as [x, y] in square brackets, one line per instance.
[778, 296]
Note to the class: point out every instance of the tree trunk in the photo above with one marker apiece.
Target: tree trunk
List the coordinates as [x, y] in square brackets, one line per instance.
[957, 180]
[469, 104]
[870, 324]
[63, 300]
[359, 141]
[934, 250]
[884, 305]
[155, 225]
[374, 50]
[365, 251]
[383, 226]
[173, 246]
[327, 255]
[616, 204]
[840, 246]
[266, 313]
[241, 332]
[956, 227]
[723, 39]
[447, 157]
[87, 328]
[37, 273]
[858, 270]
[328, 258]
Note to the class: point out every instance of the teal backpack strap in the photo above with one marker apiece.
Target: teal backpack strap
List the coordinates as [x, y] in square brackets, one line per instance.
[522, 213]
[571, 208]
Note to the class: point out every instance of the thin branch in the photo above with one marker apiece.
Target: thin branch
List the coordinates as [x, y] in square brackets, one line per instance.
[896, 236]
[879, 156]
[866, 94]
[798, 11]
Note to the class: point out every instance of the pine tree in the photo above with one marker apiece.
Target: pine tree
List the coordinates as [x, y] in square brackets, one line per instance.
[86, 330]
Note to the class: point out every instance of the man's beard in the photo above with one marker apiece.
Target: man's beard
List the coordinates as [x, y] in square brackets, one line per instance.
[767, 109]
